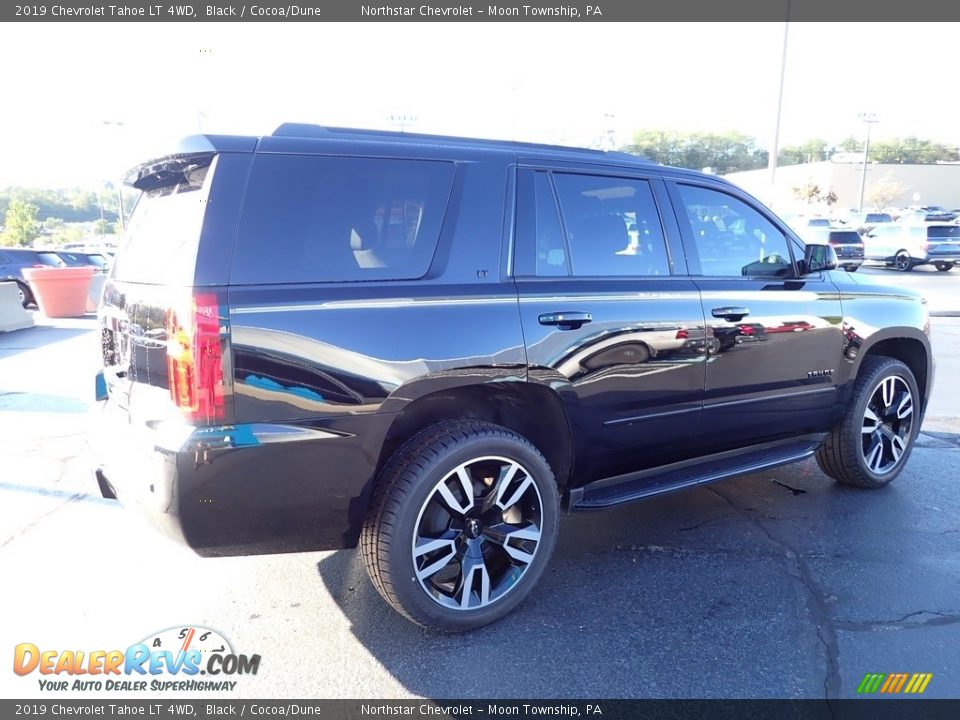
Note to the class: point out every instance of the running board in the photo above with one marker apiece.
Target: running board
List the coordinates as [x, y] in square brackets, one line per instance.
[635, 486]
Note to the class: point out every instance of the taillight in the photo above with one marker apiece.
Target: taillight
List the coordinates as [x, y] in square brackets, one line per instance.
[746, 330]
[683, 334]
[925, 246]
[195, 360]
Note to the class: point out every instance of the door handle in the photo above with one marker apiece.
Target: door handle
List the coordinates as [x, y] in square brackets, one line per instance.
[566, 320]
[734, 314]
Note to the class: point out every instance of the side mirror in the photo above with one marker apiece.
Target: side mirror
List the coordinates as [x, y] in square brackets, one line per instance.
[819, 257]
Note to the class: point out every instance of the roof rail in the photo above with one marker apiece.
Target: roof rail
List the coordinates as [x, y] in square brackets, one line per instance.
[307, 130]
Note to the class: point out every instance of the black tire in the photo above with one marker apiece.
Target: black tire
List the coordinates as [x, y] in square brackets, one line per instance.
[26, 297]
[844, 454]
[852, 268]
[902, 261]
[404, 496]
[944, 266]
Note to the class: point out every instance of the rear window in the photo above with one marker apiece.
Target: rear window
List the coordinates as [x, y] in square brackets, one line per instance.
[845, 237]
[163, 234]
[49, 258]
[326, 219]
[940, 232]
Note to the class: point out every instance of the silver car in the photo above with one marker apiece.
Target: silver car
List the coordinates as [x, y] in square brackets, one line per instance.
[906, 246]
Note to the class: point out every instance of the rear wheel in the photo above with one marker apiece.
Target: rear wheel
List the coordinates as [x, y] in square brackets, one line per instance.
[944, 266]
[870, 445]
[463, 524]
[902, 261]
[25, 296]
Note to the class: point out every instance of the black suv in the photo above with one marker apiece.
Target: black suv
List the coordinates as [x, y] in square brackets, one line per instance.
[14, 260]
[431, 346]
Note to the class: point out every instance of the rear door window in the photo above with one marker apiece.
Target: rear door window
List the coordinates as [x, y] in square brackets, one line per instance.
[328, 219]
[612, 226]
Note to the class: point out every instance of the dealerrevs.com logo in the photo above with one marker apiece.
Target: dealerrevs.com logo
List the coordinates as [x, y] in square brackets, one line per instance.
[171, 659]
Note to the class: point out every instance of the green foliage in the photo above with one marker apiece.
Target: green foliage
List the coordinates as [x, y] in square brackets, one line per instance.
[20, 227]
[723, 153]
[102, 227]
[732, 151]
[73, 205]
[67, 234]
[912, 151]
[810, 151]
[850, 144]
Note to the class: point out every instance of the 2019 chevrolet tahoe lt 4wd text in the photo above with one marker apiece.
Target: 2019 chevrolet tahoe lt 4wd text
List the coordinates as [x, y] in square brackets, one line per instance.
[431, 346]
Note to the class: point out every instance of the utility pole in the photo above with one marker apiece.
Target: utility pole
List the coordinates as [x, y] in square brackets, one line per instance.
[119, 125]
[775, 149]
[869, 118]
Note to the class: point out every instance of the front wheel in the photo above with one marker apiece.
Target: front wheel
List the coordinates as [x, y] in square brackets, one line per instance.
[463, 523]
[902, 261]
[870, 445]
[944, 266]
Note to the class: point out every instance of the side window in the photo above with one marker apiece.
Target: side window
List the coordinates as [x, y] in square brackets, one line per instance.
[612, 225]
[335, 219]
[551, 249]
[732, 238]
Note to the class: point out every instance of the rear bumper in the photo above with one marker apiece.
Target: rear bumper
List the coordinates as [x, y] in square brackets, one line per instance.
[945, 257]
[243, 489]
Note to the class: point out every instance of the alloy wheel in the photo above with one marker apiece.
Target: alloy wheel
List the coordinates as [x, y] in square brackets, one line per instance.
[477, 533]
[903, 261]
[887, 425]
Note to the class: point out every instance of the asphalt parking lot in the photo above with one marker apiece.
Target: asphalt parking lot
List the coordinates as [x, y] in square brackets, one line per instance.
[778, 584]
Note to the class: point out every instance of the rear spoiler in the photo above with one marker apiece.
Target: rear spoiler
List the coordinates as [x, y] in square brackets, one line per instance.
[170, 170]
[192, 153]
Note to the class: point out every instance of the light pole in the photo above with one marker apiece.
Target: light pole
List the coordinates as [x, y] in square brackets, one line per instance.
[869, 118]
[775, 150]
[119, 125]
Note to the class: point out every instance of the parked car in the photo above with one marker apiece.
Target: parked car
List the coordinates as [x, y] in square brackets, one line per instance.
[865, 222]
[906, 246]
[847, 243]
[431, 346]
[14, 260]
[78, 259]
[925, 214]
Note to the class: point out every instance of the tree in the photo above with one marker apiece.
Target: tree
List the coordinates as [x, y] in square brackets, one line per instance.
[912, 151]
[810, 151]
[21, 227]
[884, 191]
[850, 144]
[102, 227]
[722, 152]
[809, 192]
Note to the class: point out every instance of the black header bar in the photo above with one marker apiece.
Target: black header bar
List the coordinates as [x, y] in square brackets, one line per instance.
[854, 11]
[598, 709]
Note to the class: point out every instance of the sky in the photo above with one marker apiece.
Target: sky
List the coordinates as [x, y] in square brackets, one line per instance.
[555, 83]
